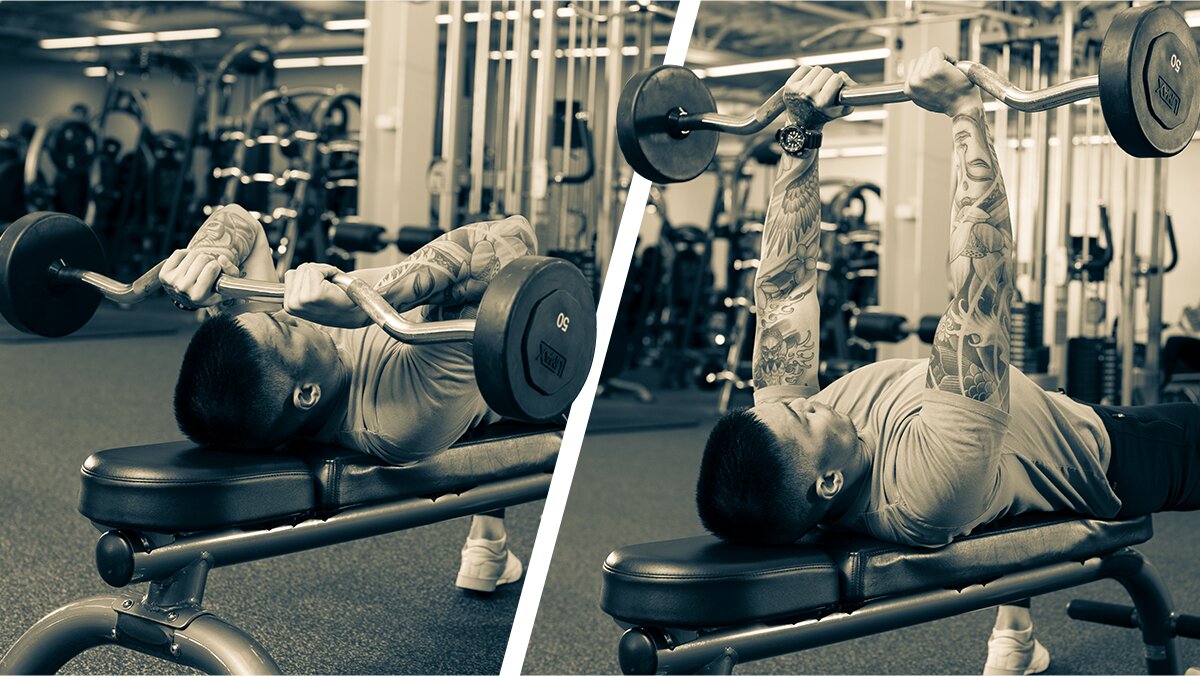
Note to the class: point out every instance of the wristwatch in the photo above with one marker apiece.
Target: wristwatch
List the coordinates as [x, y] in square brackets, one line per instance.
[795, 140]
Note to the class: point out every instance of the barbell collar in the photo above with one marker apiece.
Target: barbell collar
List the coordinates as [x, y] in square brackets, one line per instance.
[371, 302]
[1004, 91]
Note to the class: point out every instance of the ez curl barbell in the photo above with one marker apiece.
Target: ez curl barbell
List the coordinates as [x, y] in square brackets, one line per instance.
[667, 124]
[532, 339]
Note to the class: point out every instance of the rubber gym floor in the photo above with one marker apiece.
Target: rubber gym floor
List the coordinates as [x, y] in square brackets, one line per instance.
[632, 487]
[382, 605]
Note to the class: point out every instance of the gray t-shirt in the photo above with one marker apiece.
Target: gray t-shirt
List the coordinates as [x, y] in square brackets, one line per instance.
[944, 464]
[406, 402]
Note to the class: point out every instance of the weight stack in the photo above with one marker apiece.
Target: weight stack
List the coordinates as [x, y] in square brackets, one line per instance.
[1027, 352]
[586, 262]
[1092, 369]
[1110, 384]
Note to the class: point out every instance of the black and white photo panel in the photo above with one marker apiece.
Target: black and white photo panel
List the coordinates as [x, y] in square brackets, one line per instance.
[908, 354]
[298, 298]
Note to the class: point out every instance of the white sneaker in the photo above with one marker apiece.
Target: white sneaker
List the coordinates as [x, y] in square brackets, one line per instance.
[1015, 652]
[487, 564]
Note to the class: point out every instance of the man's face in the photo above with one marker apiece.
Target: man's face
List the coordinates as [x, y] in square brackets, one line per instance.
[814, 429]
[302, 345]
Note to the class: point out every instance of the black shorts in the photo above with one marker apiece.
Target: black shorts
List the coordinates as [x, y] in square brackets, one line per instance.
[1155, 464]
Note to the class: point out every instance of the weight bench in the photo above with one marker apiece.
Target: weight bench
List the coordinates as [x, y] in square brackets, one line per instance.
[174, 511]
[701, 605]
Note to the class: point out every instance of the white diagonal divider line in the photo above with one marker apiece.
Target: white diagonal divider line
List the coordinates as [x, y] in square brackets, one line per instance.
[606, 314]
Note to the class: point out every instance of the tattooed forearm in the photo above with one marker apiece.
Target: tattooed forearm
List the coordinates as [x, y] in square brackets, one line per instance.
[455, 269]
[229, 230]
[970, 349]
[788, 315]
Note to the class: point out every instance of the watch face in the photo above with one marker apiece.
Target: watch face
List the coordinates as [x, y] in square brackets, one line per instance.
[791, 139]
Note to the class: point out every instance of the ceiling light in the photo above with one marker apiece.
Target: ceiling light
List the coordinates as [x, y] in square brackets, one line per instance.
[348, 60]
[474, 17]
[751, 67]
[1192, 17]
[844, 57]
[190, 34]
[347, 24]
[129, 38]
[66, 43]
[317, 61]
[95, 71]
[299, 62]
[770, 65]
[124, 39]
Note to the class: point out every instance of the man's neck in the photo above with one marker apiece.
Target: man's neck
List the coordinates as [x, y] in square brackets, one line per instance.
[858, 478]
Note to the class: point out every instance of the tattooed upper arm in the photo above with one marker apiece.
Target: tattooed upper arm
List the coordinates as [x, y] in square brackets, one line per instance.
[786, 347]
[971, 346]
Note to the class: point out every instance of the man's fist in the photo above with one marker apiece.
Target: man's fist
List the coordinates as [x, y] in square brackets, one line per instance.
[308, 294]
[811, 95]
[936, 84]
[189, 276]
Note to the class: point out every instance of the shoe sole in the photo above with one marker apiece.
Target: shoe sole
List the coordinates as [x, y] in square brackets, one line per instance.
[488, 585]
[476, 584]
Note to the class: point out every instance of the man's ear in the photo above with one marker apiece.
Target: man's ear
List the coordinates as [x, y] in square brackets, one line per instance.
[306, 395]
[829, 484]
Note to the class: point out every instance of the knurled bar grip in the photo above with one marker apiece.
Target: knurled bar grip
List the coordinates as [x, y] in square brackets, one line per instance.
[866, 95]
[377, 308]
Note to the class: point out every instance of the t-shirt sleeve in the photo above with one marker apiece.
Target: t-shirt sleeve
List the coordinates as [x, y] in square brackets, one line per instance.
[426, 400]
[767, 395]
[948, 465]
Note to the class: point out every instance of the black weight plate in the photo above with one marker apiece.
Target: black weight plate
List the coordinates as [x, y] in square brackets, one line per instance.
[29, 299]
[1148, 89]
[72, 145]
[535, 335]
[643, 129]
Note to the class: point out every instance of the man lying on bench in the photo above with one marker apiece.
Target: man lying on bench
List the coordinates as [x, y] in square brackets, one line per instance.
[254, 376]
[919, 452]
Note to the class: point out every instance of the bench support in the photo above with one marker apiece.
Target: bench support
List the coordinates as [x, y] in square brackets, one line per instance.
[168, 623]
[653, 650]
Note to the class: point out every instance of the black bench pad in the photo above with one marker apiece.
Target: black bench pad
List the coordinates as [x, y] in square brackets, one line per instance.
[181, 487]
[870, 568]
[704, 582]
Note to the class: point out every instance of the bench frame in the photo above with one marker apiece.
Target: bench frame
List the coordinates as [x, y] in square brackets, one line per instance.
[649, 649]
[170, 622]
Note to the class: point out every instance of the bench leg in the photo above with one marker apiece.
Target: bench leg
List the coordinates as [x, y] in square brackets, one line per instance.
[206, 642]
[61, 635]
[217, 647]
[1155, 611]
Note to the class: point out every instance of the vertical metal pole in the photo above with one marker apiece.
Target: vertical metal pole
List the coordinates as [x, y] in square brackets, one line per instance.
[592, 191]
[568, 127]
[543, 116]
[1065, 129]
[1000, 128]
[501, 165]
[605, 226]
[1154, 282]
[645, 39]
[518, 95]
[1129, 282]
[1017, 197]
[479, 105]
[1041, 128]
[452, 83]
